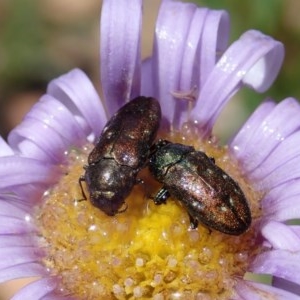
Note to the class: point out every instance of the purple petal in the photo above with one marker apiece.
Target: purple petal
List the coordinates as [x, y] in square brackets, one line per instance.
[282, 191]
[267, 61]
[37, 289]
[214, 40]
[208, 36]
[18, 255]
[268, 130]
[32, 138]
[240, 143]
[21, 271]
[5, 149]
[282, 208]
[192, 52]
[78, 94]
[281, 236]
[55, 296]
[284, 264]
[21, 170]
[12, 225]
[120, 51]
[286, 150]
[282, 202]
[284, 173]
[186, 42]
[274, 132]
[253, 54]
[248, 290]
[171, 33]
[21, 240]
[54, 114]
[8, 209]
[14, 220]
[25, 195]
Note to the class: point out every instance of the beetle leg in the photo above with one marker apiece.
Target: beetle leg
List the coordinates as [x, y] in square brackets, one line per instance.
[193, 222]
[82, 178]
[123, 208]
[162, 196]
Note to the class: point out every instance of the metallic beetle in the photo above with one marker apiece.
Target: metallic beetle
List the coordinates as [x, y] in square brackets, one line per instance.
[120, 153]
[210, 195]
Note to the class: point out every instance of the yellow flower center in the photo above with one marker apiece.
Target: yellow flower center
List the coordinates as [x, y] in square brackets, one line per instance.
[146, 252]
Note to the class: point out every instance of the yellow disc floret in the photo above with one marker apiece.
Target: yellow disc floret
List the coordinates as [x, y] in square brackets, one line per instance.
[146, 252]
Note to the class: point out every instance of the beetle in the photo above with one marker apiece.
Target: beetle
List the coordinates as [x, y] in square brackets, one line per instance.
[120, 153]
[209, 194]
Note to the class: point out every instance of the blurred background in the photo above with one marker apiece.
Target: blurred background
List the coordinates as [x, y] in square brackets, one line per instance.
[40, 40]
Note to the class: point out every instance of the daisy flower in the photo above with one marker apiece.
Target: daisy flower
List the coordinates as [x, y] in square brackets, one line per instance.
[75, 251]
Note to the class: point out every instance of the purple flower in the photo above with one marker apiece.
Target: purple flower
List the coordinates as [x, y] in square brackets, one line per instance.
[193, 73]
